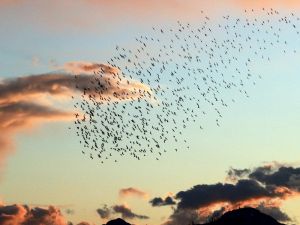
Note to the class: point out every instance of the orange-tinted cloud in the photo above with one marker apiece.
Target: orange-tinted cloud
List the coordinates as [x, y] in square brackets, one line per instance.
[30, 100]
[101, 15]
[21, 115]
[276, 4]
[144, 8]
[4, 3]
[81, 67]
[92, 15]
[189, 8]
[131, 191]
[24, 215]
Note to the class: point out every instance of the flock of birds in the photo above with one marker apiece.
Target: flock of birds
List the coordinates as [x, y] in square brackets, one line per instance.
[192, 71]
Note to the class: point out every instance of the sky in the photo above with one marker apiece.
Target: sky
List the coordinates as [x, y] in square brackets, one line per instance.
[43, 43]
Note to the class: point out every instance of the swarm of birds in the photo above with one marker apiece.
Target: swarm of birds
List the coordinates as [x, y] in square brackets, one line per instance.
[188, 72]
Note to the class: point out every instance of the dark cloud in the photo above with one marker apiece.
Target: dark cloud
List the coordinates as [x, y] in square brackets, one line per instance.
[283, 177]
[104, 212]
[275, 174]
[158, 201]
[264, 188]
[127, 213]
[204, 195]
[51, 216]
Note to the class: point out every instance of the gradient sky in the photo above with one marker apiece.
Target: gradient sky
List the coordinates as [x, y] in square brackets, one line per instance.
[47, 167]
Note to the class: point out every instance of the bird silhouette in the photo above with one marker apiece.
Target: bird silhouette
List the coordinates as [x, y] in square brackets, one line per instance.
[194, 72]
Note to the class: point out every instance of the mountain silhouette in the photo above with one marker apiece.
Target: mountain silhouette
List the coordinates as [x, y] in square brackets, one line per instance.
[245, 216]
[118, 221]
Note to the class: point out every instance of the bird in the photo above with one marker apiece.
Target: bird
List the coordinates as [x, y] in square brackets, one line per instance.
[192, 73]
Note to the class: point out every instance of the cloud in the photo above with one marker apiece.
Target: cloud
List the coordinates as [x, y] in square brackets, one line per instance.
[234, 174]
[188, 9]
[126, 213]
[23, 215]
[288, 177]
[131, 191]
[264, 188]
[17, 116]
[109, 82]
[168, 8]
[80, 67]
[272, 174]
[31, 100]
[288, 4]
[204, 195]
[158, 201]
[13, 214]
[9, 2]
[83, 223]
[104, 212]
[92, 15]
[17, 214]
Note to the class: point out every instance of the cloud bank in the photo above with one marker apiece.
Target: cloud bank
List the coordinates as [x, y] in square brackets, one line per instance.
[264, 188]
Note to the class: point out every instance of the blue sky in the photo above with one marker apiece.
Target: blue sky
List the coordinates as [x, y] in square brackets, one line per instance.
[47, 167]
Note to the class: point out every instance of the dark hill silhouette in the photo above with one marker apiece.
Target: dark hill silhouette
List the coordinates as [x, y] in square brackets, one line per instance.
[118, 221]
[245, 216]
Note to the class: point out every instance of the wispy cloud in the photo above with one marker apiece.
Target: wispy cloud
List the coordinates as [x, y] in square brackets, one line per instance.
[124, 210]
[131, 191]
[127, 213]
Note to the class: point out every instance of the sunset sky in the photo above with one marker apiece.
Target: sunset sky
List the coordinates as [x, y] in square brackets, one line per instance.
[41, 160]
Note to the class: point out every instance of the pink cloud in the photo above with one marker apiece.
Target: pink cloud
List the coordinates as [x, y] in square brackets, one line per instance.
[131, 191]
